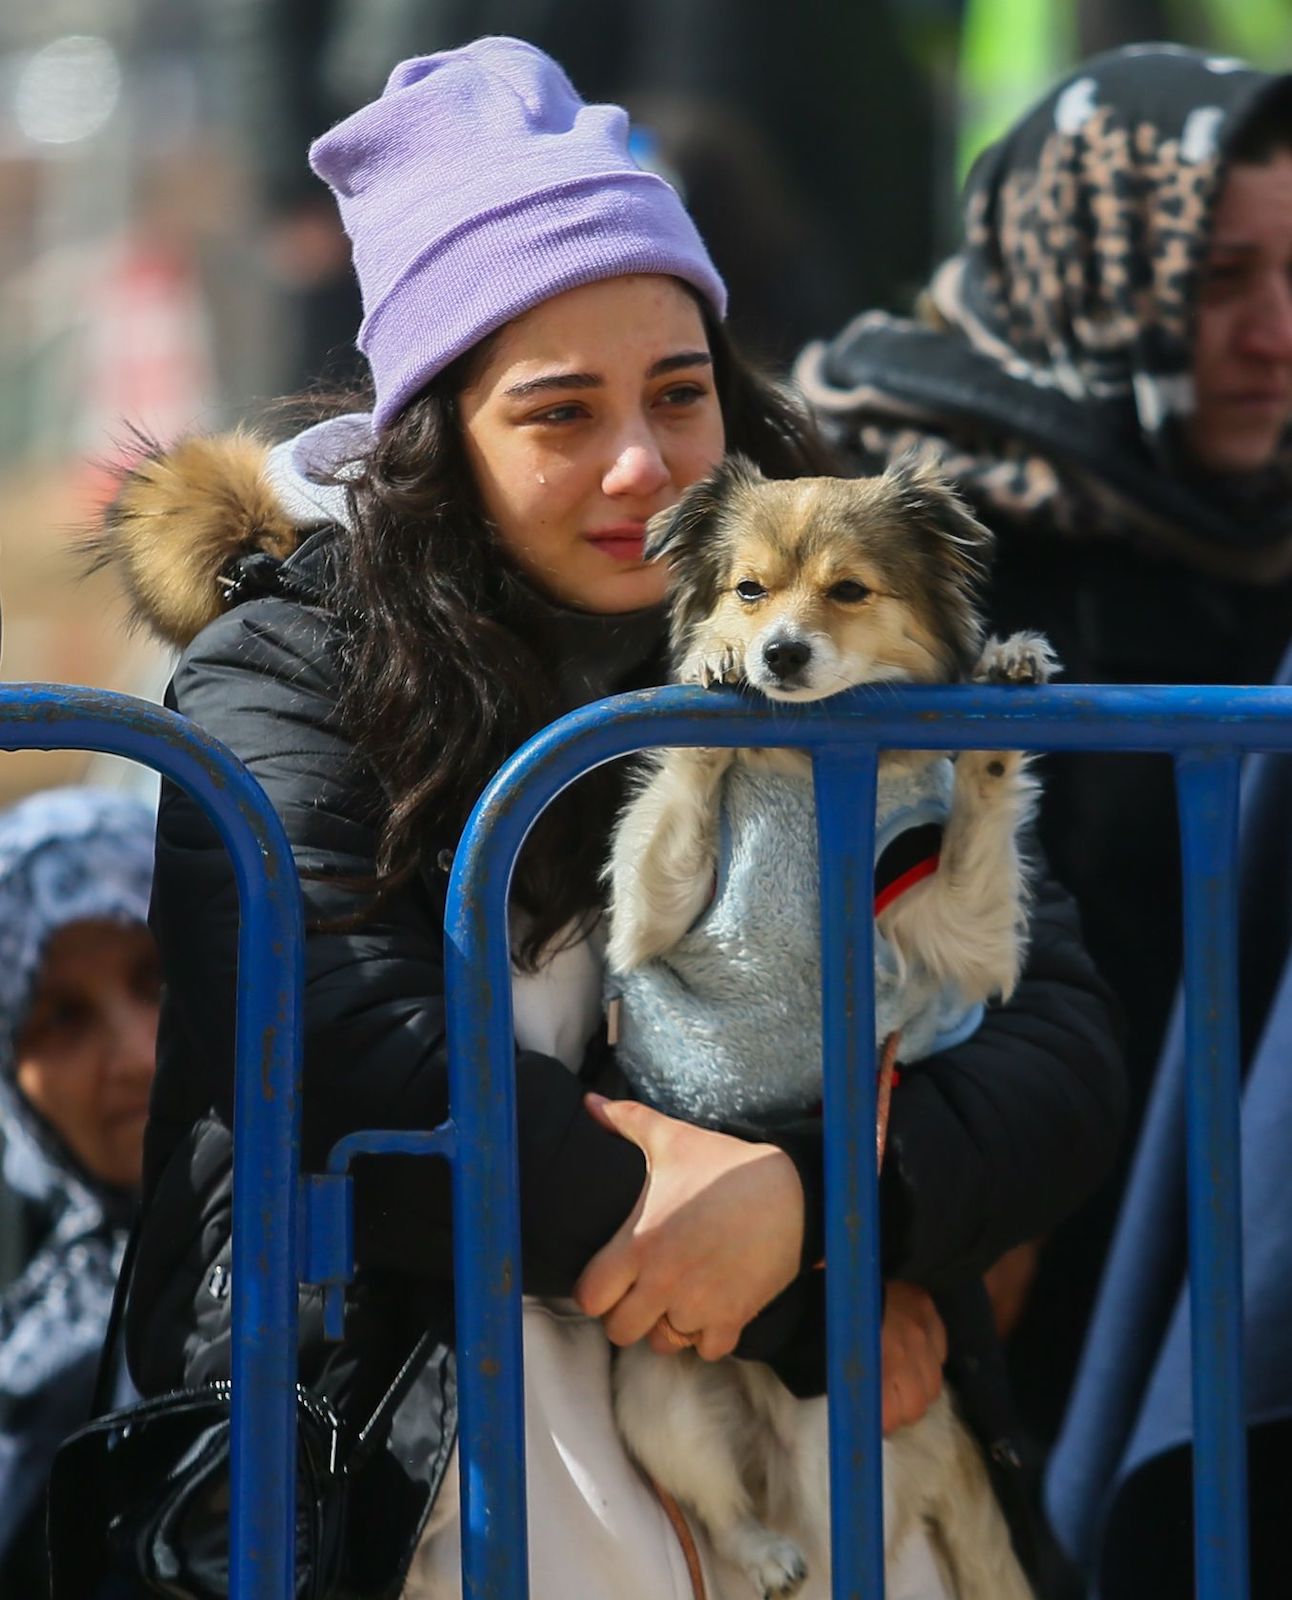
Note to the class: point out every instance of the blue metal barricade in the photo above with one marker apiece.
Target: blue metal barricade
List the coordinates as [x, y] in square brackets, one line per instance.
[44, 716]
[1207, 730]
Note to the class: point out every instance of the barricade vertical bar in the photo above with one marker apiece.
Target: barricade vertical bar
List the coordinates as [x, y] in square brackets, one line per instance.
[262, 1512]
[486, 1208]
[1207, 784]
[845, 804]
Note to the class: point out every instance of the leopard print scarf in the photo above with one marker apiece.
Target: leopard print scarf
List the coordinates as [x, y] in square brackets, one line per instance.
[1051, 371]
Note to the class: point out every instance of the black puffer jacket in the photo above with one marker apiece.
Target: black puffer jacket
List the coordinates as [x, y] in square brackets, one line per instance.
[988, 1144]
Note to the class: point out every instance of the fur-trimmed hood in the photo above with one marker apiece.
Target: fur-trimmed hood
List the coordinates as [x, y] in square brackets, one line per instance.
[187, 518]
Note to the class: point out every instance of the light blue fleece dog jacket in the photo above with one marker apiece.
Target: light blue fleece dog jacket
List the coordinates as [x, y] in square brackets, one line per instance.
[727, 1024]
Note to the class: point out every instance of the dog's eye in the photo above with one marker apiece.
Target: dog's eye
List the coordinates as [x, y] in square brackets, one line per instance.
[748, 589]
[849, 590]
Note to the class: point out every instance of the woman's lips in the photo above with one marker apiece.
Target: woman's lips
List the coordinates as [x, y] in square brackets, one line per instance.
[1260, 399]
[621, 540]
[136, 1111]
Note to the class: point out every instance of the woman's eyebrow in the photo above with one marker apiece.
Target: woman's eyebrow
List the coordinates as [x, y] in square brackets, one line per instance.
[592, 380]
[685, 358]
[554, 380]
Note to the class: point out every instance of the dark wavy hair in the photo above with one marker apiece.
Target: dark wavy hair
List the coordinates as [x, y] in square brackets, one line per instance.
[1266, 131]
[442, 676]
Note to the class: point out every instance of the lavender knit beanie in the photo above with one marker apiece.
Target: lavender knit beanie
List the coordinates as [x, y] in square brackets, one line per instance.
[478, 185]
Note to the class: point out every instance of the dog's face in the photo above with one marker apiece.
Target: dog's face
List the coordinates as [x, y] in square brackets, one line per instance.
[816, 585]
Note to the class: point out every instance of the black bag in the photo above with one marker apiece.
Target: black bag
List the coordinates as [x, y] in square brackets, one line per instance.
[139, 1500]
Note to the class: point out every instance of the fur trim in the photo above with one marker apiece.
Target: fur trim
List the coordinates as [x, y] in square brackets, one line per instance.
[181, 520]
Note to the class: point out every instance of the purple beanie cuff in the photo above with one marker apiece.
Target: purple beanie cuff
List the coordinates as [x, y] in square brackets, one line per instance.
[470, 282]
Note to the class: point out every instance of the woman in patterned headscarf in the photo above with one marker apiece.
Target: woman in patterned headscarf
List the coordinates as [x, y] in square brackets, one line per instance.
[78, 1028]
[1106, 370]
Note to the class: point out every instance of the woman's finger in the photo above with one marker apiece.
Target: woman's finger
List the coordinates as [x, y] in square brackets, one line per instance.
[893, 1416]
[634, 1317]
[714, 1343]
[607, 1278]
[663, 1343]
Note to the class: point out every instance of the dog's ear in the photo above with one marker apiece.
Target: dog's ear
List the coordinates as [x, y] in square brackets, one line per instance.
[685, 525]
[916, 477]
[956, 550]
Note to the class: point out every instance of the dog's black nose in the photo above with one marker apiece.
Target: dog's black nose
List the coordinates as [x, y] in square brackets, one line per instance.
[785, 657]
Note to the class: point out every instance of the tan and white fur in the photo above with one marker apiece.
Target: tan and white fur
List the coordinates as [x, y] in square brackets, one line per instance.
[801, 589]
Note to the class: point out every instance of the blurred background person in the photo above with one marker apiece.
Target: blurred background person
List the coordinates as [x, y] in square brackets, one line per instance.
[1105, 370]
[79, 989]
[112, 192]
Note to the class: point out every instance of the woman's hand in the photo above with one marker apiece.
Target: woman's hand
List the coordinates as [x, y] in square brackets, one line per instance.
[716, 1233]
[913, 1347]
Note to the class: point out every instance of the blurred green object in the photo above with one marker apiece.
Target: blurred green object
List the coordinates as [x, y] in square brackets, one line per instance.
[1010, 53]
[1258, 30]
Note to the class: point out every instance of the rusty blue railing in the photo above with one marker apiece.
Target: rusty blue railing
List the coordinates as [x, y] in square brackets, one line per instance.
[1206, 730]
[49, 716]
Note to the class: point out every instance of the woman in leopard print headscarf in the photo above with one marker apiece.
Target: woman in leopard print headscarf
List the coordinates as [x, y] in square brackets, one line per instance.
[1105, 368]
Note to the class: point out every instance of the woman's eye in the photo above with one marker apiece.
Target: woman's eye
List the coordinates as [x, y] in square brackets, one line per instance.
[1222, 275]
[849, 591]
[146, 982]
[559, 414]
[748, 589]
[63, 1016]
[682, 394]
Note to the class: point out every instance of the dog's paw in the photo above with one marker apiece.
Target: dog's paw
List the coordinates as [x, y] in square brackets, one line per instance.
[714, 661]
[1023, 658]
[782, 1572]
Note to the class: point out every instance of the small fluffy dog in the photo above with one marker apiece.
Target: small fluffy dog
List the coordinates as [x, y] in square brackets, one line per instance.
[801, 589]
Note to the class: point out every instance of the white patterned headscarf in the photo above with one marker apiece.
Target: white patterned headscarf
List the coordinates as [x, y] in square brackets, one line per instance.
[66, 855]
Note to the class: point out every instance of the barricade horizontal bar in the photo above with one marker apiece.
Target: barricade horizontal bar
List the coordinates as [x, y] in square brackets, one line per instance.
[441, 1141]
[908, 716]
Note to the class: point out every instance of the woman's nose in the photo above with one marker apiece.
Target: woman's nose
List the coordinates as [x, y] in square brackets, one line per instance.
[638, 470]
[134, 1039]
[1269, 330]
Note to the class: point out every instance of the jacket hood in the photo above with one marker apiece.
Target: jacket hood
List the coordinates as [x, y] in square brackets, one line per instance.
[1056, 346]
[194, 524]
